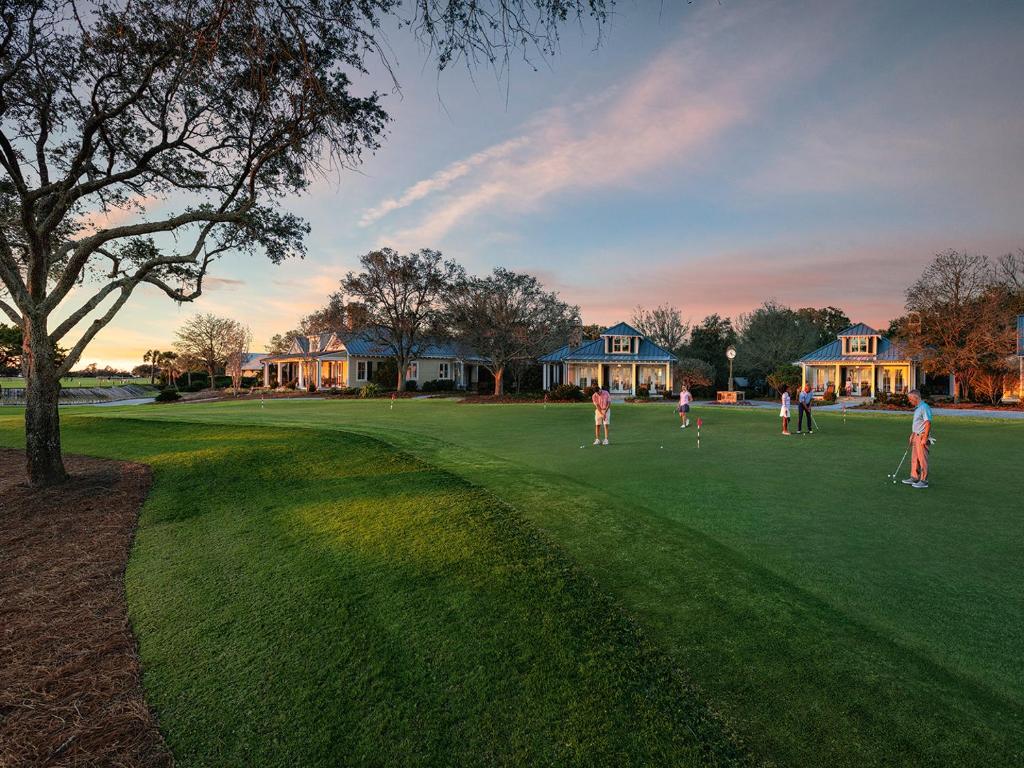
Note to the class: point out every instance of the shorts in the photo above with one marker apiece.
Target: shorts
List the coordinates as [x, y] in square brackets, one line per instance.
[684, 408]
[607, 417]
[784, 412]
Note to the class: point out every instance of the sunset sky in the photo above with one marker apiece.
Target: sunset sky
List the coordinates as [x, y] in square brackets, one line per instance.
[709, 155]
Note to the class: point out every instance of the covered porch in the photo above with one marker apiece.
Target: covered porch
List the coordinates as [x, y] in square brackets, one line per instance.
[859, 379]
[624, 378]
[325, 371]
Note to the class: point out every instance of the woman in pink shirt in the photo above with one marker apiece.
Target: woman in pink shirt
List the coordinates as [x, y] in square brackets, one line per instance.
[602, 414]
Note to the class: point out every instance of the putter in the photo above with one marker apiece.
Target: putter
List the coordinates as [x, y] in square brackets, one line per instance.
[814, 422]
[895, 474]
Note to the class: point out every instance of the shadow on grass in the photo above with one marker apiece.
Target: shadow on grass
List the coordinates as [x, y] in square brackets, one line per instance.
[320, 599]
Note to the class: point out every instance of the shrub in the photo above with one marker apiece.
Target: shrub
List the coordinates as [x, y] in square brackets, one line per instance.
[590, 391]
[411, 385]
[167, 396]
[643, 393]
[830, 395]
[370, 390]
[694, 373]
[438, 385]
[566, 392]
[898, 399]
[785, 374]
[385, 374]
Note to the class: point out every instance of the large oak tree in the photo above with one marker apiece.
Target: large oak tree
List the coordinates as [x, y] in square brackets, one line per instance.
[142, 139]
[508, 318]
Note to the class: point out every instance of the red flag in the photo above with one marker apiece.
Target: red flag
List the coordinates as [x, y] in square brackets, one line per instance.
[700, 422]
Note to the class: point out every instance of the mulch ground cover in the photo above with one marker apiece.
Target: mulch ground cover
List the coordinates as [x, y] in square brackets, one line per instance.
[70, 687]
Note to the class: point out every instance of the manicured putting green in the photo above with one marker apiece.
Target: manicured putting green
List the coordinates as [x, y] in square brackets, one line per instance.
[835, 619]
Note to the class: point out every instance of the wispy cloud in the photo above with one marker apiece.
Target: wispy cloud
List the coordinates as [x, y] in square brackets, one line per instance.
[668, 116]
[440, 180]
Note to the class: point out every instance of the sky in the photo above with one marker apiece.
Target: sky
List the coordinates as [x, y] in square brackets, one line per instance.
[709, 155]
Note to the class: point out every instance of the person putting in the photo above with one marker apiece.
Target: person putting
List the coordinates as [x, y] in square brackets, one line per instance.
[685, 398]
[920, 436]
[784, 411]
[602, 401]
[804, 400]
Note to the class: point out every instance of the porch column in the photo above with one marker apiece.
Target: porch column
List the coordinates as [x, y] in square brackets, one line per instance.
[319, 374]
[803, 375]
[302, 374]
[266, 374]
[280, 377]
[838, 383]
[632, 382]
[545, 377]
[600, 375]
[874, 379]
[669, 384]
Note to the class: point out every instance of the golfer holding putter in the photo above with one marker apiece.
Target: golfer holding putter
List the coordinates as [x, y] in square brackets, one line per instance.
[602, 401]
[685, 398]
[920, 434]
[804, 407]
[784, 411]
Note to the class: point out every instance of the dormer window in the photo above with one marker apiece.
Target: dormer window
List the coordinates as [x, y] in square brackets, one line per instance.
[622, 344]
[859, 345]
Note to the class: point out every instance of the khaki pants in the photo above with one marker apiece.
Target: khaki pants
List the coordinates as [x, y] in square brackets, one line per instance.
[919, 458]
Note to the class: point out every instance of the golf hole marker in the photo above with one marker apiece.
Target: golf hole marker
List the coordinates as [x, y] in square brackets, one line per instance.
[700, 423]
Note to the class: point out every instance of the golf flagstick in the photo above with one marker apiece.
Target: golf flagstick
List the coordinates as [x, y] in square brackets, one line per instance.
[699, 423]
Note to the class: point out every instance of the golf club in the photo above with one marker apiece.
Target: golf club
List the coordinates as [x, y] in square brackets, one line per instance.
[895, 474]
[814, 423]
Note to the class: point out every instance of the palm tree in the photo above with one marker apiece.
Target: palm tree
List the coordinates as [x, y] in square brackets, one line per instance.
[147, 358]
[169, 362]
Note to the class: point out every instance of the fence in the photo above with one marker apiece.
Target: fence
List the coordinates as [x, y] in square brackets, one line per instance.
[82, 395]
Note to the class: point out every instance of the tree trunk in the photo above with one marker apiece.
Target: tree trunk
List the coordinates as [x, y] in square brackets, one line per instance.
[400, 384]
[499, 382]
[42, 417]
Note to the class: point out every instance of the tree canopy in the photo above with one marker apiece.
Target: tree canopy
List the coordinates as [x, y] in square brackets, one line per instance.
[508, 318]
[402, 297]
[140, 141]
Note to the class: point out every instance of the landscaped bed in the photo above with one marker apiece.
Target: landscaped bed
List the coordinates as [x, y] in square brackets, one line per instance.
[70, 692]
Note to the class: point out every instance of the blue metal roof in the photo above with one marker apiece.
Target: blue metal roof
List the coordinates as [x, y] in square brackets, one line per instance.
[888, 351]
[593, 352]
[622, 329]
[367, 344]
[860, 329]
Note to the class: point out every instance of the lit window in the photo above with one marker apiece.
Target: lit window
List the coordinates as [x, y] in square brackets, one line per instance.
[621, 344]
[444, 371]
[412, 372]
[858, 344]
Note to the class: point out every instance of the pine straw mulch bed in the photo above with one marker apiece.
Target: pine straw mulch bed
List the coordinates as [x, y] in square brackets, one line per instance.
[70, 688]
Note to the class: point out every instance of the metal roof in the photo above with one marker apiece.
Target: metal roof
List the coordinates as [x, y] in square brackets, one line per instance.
[859, 329]
[622, 329]
[888, 351]
[593, 352]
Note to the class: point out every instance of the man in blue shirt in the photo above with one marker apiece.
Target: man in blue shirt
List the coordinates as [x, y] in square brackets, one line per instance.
[804, 400]
[920, 436]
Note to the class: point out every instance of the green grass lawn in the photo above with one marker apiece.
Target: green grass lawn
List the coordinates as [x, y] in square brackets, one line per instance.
[833, 618]
[74, 382]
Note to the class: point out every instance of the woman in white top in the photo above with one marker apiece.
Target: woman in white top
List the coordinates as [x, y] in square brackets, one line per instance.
[685, 398]
[784, 411]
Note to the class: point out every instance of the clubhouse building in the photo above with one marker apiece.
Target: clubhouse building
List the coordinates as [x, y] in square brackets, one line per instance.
[622, 360]
[861, 362]
[350, 360]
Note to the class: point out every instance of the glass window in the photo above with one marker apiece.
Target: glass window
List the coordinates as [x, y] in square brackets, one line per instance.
[444, 371]
[621, 344]
[412, 372]
[361, 370]
[859, 344]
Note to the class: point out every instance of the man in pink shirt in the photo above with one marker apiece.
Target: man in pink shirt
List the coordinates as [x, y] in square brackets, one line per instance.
[602, 414]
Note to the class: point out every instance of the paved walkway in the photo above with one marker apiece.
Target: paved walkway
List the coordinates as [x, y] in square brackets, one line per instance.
[978, 413]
